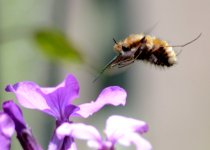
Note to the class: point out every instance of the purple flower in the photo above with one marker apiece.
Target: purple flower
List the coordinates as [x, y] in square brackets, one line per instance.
[57, 101]
[7, 128]
[122, 130]
[12, 119]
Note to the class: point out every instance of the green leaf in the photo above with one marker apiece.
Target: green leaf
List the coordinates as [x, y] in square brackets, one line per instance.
[56, 45]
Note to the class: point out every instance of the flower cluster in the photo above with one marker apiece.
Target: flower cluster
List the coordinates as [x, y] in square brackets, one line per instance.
[58, 103]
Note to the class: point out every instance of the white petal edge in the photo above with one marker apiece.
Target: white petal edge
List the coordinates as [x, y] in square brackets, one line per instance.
[137, 140]
[7, 125]
[127, 125]
[79, 131]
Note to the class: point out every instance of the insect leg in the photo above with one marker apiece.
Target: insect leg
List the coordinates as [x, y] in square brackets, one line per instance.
[106, 66]
[114, 62]
[126, 63]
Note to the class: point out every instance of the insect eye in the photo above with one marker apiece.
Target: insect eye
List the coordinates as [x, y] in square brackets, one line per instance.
[125, 49]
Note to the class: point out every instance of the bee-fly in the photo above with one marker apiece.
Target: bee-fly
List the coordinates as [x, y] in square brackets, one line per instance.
[146, 48]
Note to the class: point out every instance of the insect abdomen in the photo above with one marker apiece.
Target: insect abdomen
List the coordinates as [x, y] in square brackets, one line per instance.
[157, 52]
[159, 57]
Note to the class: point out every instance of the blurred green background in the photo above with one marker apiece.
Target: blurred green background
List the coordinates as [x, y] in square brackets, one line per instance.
[43, 40]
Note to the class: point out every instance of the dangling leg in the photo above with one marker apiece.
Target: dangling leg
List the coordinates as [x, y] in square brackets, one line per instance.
[114, 62]
[125, 63]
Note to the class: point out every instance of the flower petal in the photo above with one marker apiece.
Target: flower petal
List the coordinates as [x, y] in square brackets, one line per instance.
[127, 125]
[62, 95]
[28, 95]
[7, 128]
[58, 144]
[52, 101]
[15, 113]
[141, 143]
[78, 130]
[70, 109]
[94, 144]
[55, 143]
[113, 95]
